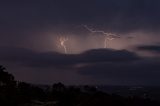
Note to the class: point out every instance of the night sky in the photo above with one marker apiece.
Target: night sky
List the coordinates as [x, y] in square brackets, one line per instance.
[48, 41]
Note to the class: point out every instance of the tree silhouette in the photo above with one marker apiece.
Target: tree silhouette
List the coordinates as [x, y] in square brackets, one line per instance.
[7, 87]
[6, 79]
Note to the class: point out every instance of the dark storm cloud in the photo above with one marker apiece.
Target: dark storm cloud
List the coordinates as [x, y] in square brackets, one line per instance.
[145, 71]
[149, 48]
[54, 59]
[117, 66]
[116, 15]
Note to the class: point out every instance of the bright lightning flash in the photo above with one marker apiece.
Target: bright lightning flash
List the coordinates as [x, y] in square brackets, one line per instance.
[108, 36]
[62, 43]
[106, 40]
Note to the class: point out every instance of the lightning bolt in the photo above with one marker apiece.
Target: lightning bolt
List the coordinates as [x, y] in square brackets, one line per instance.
[62, 43]
[106, 40]
[108, 36]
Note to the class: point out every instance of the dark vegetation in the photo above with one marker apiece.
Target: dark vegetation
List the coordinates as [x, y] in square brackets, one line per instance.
[15, 93]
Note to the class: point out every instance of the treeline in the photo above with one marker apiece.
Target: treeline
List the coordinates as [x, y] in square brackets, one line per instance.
[15, 93]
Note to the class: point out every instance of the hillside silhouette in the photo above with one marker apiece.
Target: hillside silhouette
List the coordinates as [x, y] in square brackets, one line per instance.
[17, 93]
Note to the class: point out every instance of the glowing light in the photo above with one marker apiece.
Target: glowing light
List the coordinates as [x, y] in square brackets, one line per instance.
[108, 36]
[105, 43]
[62, 43]
[106, 40]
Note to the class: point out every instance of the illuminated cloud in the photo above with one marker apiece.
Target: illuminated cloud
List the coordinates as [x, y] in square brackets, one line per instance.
[53, 59]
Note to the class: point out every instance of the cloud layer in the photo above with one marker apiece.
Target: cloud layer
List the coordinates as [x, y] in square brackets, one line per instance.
[107, 65]
[52, 59]
[149, 48]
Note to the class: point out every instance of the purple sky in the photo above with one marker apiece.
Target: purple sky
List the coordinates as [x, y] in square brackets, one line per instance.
[30, 45]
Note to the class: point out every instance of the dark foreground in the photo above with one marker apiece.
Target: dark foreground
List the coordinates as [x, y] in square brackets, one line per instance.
[15, 93]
